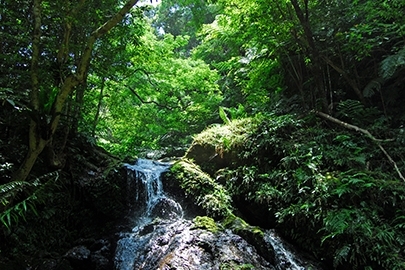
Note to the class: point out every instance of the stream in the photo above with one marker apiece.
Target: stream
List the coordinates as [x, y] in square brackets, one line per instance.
[160, 237]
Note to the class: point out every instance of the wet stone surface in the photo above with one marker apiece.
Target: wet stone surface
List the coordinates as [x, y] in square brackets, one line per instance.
[177, 245]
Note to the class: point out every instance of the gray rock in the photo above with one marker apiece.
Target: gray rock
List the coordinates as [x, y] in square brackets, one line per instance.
[177, 245]
[79, 257]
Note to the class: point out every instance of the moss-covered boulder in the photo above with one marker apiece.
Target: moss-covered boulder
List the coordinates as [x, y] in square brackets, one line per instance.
[201, 188]
[218, 146]
[252, 234]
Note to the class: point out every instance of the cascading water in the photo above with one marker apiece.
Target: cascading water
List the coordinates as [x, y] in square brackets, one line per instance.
[151, 203]
[161, 238]
[150, 199]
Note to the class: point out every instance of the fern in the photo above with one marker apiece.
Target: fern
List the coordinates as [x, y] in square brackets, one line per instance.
[11, 214]
[341, 255]
[350, 108]
[391, 64]
[17, 211]
[10, 189]
[373, 86]
[357, 113]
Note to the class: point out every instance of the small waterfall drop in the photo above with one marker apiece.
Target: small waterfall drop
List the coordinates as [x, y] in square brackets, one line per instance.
[160, 238]
[149, 199]
[285, 257]
[151, 203]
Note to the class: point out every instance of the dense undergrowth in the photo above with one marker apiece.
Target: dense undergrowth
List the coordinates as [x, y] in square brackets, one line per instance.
[329, 190]
[55, 210]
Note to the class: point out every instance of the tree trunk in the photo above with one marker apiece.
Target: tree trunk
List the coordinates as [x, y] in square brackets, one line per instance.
[36, 146]
[100, 103]
[314, 55]
[42, 131]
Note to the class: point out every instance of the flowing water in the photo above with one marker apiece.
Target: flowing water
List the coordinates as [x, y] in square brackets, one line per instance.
[160, 238]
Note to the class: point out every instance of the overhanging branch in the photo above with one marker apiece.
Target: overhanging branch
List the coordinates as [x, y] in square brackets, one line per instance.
[148, 102]
[368, 134]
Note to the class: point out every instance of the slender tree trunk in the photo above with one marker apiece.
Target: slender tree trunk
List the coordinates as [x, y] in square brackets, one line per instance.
[100, 103]
[36, 143]
[344, 74]
[316, 67]
[36, 146]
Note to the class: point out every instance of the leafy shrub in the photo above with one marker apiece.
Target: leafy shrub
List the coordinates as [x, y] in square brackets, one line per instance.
[318, 184]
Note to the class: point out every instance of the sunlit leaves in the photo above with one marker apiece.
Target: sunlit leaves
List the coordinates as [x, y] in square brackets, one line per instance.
[158, 93]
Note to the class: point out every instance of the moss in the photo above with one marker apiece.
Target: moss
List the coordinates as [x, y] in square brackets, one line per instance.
[206, 223]
[228, 136]
[252, 234]
[218, 146]
[235, 266]
[210, 195]
[241, 227]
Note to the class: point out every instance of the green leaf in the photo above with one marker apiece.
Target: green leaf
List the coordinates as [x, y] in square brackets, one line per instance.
[11, 102]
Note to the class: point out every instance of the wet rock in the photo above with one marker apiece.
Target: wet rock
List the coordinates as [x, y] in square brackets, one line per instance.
[252, 234]
[161, 239]
[180, 245]
[99, 262]
[79, 257]
[166, 208]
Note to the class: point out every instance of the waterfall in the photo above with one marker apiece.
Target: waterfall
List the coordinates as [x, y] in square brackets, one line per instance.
[160, 238]
[149, 199]
[151, 203]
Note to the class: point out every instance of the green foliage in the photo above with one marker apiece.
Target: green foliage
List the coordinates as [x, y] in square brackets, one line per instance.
[392, 64]
[315, 182]
[37, 192]
[159, 95]
[356, 112]
[223, 116]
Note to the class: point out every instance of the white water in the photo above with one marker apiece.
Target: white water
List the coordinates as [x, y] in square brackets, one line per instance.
[157, 205]
[285, 257]
[159, 222]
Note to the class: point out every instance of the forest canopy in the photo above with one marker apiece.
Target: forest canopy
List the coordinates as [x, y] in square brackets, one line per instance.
[324, 77]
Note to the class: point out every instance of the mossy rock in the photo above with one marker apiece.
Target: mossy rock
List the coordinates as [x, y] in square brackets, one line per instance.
[235, 266]
[252, 234]
[238, 225]
[218, 146]
[206, 223]
[205, 191]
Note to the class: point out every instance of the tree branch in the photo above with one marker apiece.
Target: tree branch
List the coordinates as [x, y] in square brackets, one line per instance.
[75, 79]
[148, 102]
[113, 21]
[64, 46]
[368, 134]
[351, 82]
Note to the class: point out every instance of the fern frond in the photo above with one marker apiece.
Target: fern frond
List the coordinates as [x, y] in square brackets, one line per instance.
[391, 64]
[11, 189]
[17, 211]
[12, 213]
[357, 112]
[372, 86]
[350, 108]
